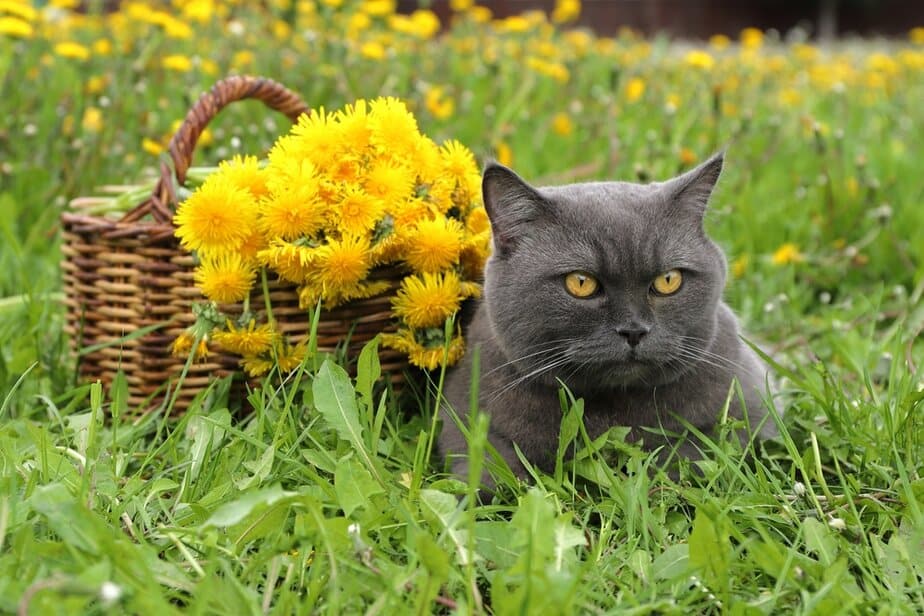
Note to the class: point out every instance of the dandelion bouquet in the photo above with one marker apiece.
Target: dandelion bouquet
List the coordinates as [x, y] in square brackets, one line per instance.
[342, 198]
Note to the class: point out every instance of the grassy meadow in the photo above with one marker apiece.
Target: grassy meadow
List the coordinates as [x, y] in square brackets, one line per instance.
[327, 497]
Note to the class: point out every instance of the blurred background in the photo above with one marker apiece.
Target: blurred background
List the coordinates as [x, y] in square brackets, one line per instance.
[821, 19]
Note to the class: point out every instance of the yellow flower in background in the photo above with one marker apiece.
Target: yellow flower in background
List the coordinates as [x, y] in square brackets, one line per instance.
[154, 148]
[427, 300]
[697, 58]
[719, 42]
[14, 26]
[372, 50]
[22, 10]
[72, 50]
[503, 153]
[562, 124]
[218, 217]
[786, 254]
[438, 104]
[566, 11]
[751, 38]
[92, 119]
[225, 278]
[434, 245]
[635, 88]
[177, 62]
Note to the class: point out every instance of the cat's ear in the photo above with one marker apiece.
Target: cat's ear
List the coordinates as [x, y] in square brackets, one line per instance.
[511, 204]
[691, 191]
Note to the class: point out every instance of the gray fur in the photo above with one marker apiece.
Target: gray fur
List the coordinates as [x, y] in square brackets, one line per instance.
[531, 332]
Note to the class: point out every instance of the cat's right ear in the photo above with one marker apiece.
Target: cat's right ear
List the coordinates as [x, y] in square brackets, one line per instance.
[511, 204]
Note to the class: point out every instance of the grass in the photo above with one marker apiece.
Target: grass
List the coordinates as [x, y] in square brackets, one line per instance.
[325, 495]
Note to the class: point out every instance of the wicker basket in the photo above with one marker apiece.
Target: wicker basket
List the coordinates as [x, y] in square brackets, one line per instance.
[129, 286]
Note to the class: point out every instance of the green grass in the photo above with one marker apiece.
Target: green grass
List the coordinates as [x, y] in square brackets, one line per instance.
[324, 495]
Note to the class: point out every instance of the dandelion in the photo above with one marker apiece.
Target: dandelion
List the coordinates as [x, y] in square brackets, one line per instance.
[786, 254]
[177, 62]
[217, 217]
[14, 26]
[438, 104]
[343, 263]
[751, 38]
[635, 88]
[358, 211]
[719, 42]
[225, 278]
[154, 148]
[251, 340]
[434, 245]
[427, 300]
[697, 58]
[562, 124]
[69, 49]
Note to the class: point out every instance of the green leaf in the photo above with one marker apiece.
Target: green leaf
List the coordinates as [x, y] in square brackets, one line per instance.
[353, 484]
[368, 371]
[820, 540]
[672, 563]
[235, 511]
[710, 549]
[335, 399]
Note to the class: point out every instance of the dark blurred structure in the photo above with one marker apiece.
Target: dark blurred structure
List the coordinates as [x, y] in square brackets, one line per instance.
[822, 19]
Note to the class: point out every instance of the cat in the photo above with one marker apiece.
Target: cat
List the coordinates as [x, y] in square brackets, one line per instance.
[614, 290]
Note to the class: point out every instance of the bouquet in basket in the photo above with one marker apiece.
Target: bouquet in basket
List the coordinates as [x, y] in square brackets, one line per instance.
[341, 198]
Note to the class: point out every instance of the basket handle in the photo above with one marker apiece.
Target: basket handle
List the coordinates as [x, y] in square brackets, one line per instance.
[234, 88]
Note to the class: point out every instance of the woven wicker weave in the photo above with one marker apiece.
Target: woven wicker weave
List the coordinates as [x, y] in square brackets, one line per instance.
[129, 286]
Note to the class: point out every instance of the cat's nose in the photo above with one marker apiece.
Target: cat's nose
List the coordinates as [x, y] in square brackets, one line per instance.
[633, 335]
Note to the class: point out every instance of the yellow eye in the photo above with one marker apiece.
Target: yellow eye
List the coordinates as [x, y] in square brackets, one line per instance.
[581, 285]
[667, 283]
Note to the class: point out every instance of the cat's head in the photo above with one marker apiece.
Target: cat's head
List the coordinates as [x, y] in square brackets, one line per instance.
[603, 284]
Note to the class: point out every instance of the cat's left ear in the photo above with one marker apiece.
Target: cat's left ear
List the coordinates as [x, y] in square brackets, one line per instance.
[691, 191]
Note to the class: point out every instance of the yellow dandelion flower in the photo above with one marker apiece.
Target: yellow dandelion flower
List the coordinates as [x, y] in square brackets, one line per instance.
[250, 341]
[427, 300]
[14, 26]
[292, 212]
[177, 62]
[355, 130]
[218, 216]
[698, 58]
[562, 124]
[428, 356]
[438, 103]
[256, 366]
[434, 245]
[342, 263]
[389, 181]
[394, 127]
[72, 50]
[20, 9]
[291, 262]
[458, 160]
[182, 346]
[225, 278]
[245, 172]
[566, 10]
[786, 254]
[358, 211]
[289, 357]
[635, 88]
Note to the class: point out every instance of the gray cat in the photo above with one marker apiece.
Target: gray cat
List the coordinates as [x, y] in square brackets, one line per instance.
[615, 290]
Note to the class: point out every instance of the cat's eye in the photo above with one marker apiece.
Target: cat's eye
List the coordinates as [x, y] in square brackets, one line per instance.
[581, 284]
[667, 283]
